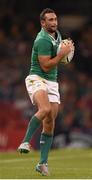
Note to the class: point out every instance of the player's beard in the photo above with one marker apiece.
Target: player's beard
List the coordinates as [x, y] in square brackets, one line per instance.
[51, 30]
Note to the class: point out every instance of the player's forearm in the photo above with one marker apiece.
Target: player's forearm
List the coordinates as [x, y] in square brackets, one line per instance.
[53, 62]
[47, 63]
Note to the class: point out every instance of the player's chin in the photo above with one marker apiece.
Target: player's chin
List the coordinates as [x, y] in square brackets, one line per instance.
[53, 29]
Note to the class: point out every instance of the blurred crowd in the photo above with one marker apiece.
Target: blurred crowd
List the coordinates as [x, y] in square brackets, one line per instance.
[75, 111]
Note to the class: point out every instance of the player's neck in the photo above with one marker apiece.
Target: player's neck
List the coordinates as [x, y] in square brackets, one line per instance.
[54, 34]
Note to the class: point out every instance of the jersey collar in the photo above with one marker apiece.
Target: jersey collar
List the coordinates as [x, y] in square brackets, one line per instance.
[51, 37]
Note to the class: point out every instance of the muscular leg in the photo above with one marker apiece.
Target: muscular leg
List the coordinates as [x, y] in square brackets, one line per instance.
[44, 108]
[47, 133]
[43, 104]
[49, 121]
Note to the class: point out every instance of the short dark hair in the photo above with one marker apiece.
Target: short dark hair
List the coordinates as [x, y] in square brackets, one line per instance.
[45, 11]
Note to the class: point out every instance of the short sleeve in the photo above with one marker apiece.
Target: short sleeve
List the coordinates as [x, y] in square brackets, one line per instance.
[44, 47]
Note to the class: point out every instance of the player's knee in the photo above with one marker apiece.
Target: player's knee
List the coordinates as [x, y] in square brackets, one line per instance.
[49, 127]
[46, 110]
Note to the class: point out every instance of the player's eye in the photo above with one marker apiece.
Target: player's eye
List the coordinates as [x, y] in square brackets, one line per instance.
[51, 19]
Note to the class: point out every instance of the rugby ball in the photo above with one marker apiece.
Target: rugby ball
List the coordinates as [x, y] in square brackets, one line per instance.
[67, 59]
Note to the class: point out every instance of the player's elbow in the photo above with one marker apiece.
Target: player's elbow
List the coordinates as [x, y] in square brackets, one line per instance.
[46, 69]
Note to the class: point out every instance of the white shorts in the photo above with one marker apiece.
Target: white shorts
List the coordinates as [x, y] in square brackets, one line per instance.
[35, 83]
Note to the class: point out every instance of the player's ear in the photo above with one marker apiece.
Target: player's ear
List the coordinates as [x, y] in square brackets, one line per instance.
[42, 23]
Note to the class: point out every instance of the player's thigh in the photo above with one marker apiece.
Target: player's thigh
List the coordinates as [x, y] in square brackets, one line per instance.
[41, 99]
[37, 91]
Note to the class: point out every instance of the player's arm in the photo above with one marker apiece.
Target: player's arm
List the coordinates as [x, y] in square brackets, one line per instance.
[44, 55]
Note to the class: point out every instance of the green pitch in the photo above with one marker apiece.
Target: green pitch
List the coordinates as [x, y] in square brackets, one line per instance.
[63, 164]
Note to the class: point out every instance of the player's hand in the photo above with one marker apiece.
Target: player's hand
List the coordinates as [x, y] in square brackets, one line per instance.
[72, 43]
[65, 48]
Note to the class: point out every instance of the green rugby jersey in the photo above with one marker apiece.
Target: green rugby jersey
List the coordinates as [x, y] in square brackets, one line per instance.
[44, 44]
